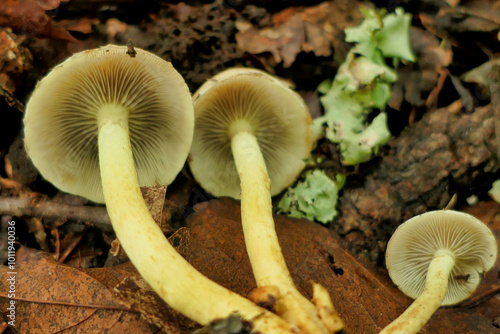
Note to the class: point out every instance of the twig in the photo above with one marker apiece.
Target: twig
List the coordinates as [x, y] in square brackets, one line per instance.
[95, 216]
[55, 233]
[482, 297]
[76, 238]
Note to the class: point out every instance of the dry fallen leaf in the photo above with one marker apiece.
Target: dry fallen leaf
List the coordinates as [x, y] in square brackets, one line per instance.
[453, 23]
[67, 299]
[84, 25]
[421, 82]
[115, 26]
[318, 29]
[136, 294]
[154, 197]
[14, 60]
[36, 227]
[28, 17]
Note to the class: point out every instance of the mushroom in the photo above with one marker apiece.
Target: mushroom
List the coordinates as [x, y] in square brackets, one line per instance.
[252, 134]
[437, 258]
[106, 121]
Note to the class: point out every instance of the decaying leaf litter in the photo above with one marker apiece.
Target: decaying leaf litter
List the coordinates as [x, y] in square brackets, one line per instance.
[443, 142]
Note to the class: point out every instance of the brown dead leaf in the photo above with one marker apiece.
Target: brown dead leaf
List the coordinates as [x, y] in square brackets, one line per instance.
[180, 193]
[14, 60]
[469, 16]
[78, 248]
[365, 299]
[84, 25]
[69, 243]
[9, 184]
[476, 15]
[483, 76]
[318, 29]
[23, 170]
[35, 226]
[47, 289]
[114, 26]
[137, 295]
[489, 213]
[28, 17]
[180, 240]
[8, 167]
[453, 3]
[66, 299]
[420, 81]
[154, 197]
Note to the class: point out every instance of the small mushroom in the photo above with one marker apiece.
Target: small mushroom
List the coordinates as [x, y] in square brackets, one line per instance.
[101, 124]
[252, 134]
[437, 258]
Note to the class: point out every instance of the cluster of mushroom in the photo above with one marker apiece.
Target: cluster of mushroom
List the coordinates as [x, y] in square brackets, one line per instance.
[107, 121]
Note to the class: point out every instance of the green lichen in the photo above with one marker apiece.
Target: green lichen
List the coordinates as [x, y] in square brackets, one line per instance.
[362, 84]
[314, 198]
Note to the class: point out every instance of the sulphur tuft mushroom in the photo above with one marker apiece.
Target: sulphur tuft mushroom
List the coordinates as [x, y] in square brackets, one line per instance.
[437, 258]
[252, 134]
[103, 123]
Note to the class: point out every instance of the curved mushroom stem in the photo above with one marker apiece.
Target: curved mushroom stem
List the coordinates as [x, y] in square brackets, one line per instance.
[261, 241]
[167, 272]
[420, 311]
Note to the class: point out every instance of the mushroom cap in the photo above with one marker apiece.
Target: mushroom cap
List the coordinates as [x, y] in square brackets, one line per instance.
[61, 118]
[414, 243]
[277, 116]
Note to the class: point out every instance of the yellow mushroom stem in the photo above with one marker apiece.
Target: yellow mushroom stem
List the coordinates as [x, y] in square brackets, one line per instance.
[420, 311]
[268, 264]
[167, 272]
[326, 311]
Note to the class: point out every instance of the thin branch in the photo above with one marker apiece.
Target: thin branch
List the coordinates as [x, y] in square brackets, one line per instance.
[95, 216]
